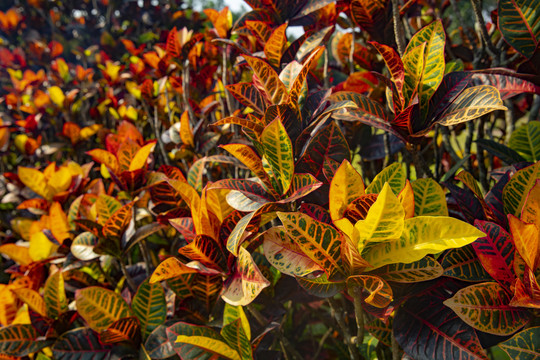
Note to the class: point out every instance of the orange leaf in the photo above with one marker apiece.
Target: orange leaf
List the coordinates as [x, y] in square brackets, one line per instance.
[527, 241]
[104, 157]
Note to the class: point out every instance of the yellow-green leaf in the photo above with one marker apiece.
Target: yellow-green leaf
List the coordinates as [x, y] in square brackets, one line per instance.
[279, 153]
[394, 175]
[346, 185]
[100, 307]
[429, 198]
[55, 295]
[413, 62]
[421, 236]
[515, 192]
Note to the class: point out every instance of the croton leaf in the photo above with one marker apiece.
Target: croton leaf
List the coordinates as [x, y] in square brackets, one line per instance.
[527, 241]
[395, 67]
[106, 206]
[367, 110]
[245, 123]
[273, 49]
[375, 291]
[519, 23]
[207, 251]
[301, 185]
[385, 219]
[525, 345]
[117, 223]
[413, 62]
[526, 140]
[199, 342]
[285, 255]
[515, 192]
[235, 335]
[149, 306]
[35, 180]
[393, 174]
[321, 286]
[54, 295]
[278, 151]
[346, 185]
[80, 343]
[429, 198]
[421, 236]
[100, 307]
[320, 242]
[32, 299]
[496, 252]
[472, 103]
[463, 264]
[246, 282]
[267, 81]
[422, 270]
[125, 329]
[426, 329]
[170, 268]
[157, 345]
[248, 95]
[485, 307]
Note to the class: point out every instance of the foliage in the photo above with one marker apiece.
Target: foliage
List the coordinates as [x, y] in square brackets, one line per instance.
[201, 184]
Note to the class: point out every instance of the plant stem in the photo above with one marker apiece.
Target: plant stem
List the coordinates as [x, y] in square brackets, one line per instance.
[322, 341]
[482, 173]
[468, 144]
[129, 280]
[398, 33]
[489, 47]
[395, 348]
[387, 149]
[338, 315]
[359, 314]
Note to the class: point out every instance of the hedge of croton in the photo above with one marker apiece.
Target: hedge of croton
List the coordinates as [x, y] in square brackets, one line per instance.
[208, 185]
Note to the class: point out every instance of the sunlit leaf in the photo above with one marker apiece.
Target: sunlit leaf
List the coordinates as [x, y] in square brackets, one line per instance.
[376, 291]
[278, 151]
[100, 307]
[149, 306]
[429, 198]
[54, 295]
[394, 175]
[346, 185]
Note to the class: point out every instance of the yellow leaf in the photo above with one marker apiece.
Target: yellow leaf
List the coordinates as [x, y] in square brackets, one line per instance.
[58, 223]
[406, 198]
[60, 180]
[17, 253]
[346, 186]
[141, 156]
[186, 133]
[8, 305]
[527, 241]
[32, 299]
[385, 218]
[40, 247]
[57, 96]
[35, 180]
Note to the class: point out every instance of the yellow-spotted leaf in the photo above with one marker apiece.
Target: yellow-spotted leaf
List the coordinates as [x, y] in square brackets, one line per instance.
[188, 339]
[472, 103]
[421, 270]
[527, 241]
[169, 269]
[406, 198]
[278, 152]
[516, 190]
[375, 291]
[429, 198]
[100, 307]
[273, 49]
[413, 62]
[106, 206]
[106, 158]
[35, 181]
[346, 185]
[54, 295]
[485, 307]
[285, 255]
[319, 241]
[267, 81]
[394, 175]
[434, 37]
[421, 236]
[384, 220]
[246, 282]
[531, 209]
[232, 313]
[125, 329]
[141, 157]
[149, 306]
[19, 340]
[245, 123]
[126, 153]
[32, 299]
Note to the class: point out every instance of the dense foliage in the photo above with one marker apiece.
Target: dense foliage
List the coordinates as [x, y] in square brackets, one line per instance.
[184, 184]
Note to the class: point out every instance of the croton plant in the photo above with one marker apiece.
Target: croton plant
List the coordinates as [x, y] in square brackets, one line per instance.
[308, 179]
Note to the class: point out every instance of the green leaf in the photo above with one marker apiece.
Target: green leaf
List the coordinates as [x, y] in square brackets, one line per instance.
[472, 103]
[157, 344]
[526, 141]
[319, 241]
[515, 192]
[235, 335]
[54, 295]
[485, 307]
[429, 198]
[199, 342]
[525, 345]
[394, 175]
[503, 152]
[519, 23]
[285, 255]
[413, 62]
[421, 236]
[149, 306]
[106, 206]
[100, 307]
[434, 37]
[232, 313]
[278, 151]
